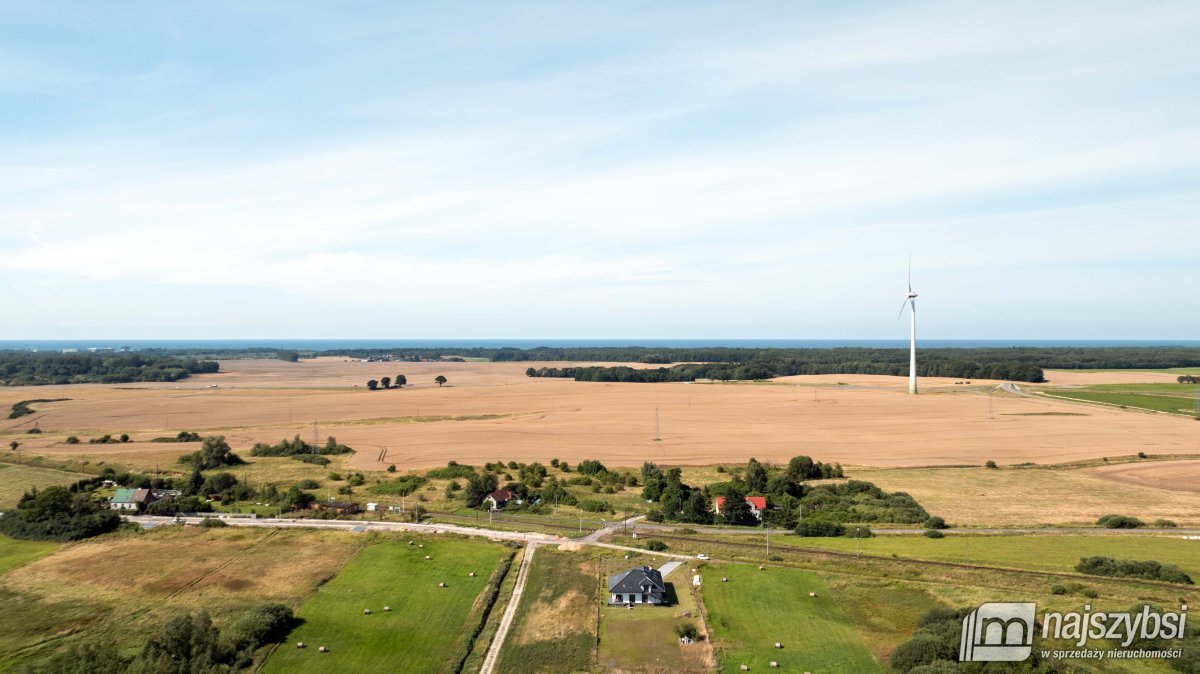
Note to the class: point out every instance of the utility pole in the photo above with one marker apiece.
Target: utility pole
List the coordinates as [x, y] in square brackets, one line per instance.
[858, 540]
[768, 524]
[657, 436]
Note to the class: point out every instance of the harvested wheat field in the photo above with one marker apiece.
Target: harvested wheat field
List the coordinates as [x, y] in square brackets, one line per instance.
[492, 411]
[1174, 475]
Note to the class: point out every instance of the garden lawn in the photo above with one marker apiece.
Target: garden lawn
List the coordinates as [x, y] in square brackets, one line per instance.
[755, 609]
[427, 623]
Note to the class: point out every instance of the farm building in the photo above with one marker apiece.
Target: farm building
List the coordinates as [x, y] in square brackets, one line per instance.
[336, 507]
[131, 499]
[498, 499]
[643, 585]
[757, 505]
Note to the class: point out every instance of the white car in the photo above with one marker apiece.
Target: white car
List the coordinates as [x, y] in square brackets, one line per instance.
[702, 556]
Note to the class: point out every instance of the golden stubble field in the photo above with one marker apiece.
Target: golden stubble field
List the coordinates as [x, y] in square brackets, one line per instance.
[492, 411]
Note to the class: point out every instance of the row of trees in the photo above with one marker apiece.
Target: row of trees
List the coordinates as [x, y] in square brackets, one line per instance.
[298, 447]
[387, 382]
[766, 369]
[22, 368]
[1189, 379]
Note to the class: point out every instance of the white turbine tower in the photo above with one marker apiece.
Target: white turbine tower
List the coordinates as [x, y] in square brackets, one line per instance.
[910, 300]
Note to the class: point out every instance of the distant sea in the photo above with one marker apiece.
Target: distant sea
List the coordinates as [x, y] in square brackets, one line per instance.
[331, 344]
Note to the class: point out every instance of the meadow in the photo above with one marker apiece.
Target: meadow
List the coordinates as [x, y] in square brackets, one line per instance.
[555, 629]
[16, 479]
[121, 588]
[755, 609]
[428, 626]
[1158, 397]
[14, 553]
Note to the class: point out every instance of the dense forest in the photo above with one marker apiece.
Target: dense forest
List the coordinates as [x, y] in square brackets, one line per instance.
[24, 368]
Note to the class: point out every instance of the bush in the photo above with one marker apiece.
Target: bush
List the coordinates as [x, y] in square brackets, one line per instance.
[1089, 593]
[1128, 568]
[452, 470]
[655, 546]
[314, 459]
[922, 649]
[214, 453]
[594, 506]
[55, 514]
[688, 630]
[774, 558]
[936, 522]
[991, 464]
[819, 528]
[1058, 589]
[213, 523]
[72, 440]
[1120, 522]
[1164, 524]
[391, 468]
[308, 483]
[860, 532]
[934, 533]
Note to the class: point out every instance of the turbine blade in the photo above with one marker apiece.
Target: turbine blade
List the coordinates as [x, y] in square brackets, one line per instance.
[902, 309]
[910, 272]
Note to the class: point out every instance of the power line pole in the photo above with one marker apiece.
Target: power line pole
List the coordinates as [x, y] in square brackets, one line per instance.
[657, 436]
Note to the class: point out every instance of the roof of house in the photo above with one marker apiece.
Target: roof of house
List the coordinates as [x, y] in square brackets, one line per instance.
[636, 581]
[131, 496]
[501, 495]
[759, 502]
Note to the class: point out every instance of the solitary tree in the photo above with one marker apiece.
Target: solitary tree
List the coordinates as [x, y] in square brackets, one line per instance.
[372, 384]
[440, 380]
[386, 382]
[13, 445]
[401, 381]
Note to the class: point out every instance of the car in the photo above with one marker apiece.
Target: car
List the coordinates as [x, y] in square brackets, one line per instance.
[702, 556]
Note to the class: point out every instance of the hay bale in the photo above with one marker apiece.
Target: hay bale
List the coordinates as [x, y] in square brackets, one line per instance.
[724, 579]
[778, 645]
[428, 557]
[421, 545]
[387, 608]
[745, 668]
[441, 585]
[472, 574]
[366, 611]
[299, 644]
[812, 594]
[774, 665]
[322, 649]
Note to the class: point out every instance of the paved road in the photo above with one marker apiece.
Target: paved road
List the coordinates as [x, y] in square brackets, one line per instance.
[510, 611]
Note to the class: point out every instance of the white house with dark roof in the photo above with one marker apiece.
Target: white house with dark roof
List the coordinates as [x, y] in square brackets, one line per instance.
[498, 499]
[643, 585]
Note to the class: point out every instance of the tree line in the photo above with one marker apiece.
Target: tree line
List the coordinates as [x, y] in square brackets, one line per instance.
[21, 368]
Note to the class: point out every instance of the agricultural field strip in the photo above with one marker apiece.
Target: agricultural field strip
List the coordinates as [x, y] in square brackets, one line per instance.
[510, 612]
[930, 562]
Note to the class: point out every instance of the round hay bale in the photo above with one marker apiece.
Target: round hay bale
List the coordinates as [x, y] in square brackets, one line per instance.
[366, 611]
[778, 645]
[322, 649]
[428, 557]
[774, 665]
[812, 594]
[745, 668]
[441, 585]
[472, 574]
[386, 609]
[761, 567]
[299, 644]
[724, 579]
[421, 545]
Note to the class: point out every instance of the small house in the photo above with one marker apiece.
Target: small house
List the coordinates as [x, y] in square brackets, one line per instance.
[643, 585]
[498, 499]
[757, 505]
[131, 499]
[371, 507]
[335, 507]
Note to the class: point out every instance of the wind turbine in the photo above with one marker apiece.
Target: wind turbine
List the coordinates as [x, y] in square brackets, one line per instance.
[910, 300]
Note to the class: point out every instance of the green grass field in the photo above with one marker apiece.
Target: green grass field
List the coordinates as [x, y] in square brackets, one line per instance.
[1172, 398]
[643, 638]
[555, 627]
[425, 624]
[14, 553]
[17, 479]
[755, 609]
[1057, 553]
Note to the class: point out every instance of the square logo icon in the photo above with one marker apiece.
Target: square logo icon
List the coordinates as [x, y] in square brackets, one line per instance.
[998, 632]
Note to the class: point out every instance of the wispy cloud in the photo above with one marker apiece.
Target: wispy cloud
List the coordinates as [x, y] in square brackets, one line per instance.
[610, 172]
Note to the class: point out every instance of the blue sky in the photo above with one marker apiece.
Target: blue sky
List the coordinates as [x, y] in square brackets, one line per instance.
[599, 170]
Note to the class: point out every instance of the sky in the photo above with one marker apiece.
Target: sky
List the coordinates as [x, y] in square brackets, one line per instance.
[599, 170]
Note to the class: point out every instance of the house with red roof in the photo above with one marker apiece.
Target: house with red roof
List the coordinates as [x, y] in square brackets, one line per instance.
[757, 505]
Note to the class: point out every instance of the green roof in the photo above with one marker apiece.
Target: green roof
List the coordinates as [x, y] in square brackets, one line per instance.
[123, 496]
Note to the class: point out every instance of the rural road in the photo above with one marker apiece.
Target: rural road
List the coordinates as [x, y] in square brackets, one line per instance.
[510, 611]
